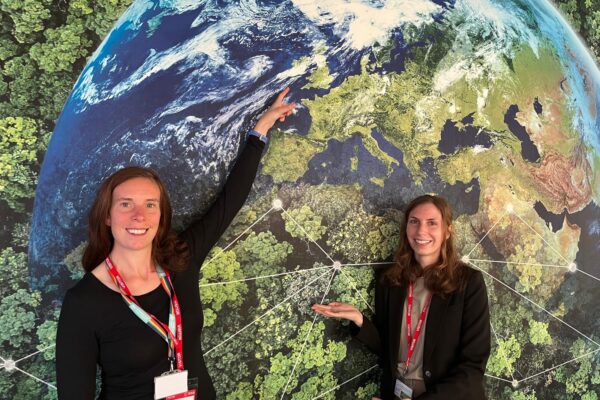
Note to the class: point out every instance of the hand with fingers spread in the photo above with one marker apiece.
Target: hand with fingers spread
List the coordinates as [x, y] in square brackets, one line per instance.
[278, 111]
[340, 310]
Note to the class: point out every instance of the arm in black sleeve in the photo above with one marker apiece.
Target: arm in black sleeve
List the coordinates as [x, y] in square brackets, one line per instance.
[76, 353]
[465, 378]
[204, 233]
[370, 332]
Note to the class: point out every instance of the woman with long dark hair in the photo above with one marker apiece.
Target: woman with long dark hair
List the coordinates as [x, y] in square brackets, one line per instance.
[137, 312]
[431, 327]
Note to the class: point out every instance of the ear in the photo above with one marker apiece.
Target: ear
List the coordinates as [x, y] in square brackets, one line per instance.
[107, 222]
[448, 232]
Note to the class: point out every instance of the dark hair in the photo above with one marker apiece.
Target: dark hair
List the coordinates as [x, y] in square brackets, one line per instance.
[443, 277]
[167, 250]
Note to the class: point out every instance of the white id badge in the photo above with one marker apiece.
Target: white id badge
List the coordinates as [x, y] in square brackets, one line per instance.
[402, 390]
[170, 384]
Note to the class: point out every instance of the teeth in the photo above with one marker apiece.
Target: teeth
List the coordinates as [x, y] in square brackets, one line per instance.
[137, 231]
[422, 241]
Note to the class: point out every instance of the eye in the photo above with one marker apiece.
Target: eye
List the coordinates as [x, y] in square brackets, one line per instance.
[125, 204]
[413, 221]
[433, 223]
[151, 205]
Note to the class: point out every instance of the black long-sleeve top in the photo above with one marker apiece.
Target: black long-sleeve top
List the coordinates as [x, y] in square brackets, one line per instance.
[96, 327]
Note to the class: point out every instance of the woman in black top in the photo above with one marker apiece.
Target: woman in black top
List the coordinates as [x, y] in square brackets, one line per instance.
[449, 355]
[130, 222]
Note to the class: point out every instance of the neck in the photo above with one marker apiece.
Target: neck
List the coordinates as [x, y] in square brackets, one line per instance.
[426, 261]
[138, 264]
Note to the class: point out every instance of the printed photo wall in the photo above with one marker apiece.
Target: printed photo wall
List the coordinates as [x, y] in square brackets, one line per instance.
[495, 105]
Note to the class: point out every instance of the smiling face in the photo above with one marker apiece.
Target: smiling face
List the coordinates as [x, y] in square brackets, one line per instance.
[134, 214]
[426, 233]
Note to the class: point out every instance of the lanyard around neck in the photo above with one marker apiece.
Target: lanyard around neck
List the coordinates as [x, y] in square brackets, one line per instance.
[171, 333]
[412, 338]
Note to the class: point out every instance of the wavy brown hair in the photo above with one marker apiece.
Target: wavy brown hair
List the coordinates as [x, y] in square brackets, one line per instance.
[167, 249]
[441, 278]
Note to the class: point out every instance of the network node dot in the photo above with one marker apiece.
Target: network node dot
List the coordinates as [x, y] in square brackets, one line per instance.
[509, 208]
[572, 267]
[277, 204]
[337, 265]
[465, 259]
[515, 383]
[9, 365]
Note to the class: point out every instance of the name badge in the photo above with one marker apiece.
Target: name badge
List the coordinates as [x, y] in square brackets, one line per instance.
[402, 390]
[170, 384]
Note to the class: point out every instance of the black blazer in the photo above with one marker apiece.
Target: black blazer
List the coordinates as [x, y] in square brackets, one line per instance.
[457, 340]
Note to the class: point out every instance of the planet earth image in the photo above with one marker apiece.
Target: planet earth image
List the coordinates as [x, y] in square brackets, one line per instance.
[493, 104]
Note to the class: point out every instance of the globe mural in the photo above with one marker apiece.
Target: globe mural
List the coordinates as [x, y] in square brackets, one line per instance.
[492, 104]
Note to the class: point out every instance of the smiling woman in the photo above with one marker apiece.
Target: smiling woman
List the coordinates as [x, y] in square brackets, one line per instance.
[129, 312]
[431, 328]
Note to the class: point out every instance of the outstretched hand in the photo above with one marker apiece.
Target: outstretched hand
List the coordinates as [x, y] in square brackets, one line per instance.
[278, 111]
[340, 310]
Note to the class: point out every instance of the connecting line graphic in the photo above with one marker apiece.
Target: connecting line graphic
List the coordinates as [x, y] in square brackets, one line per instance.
[300, 271]
[307, 336]
[560, 365]
[535, 304]
[487, 233]
[520, 263]
[9, 365]
[307, 235]
[367, 264]
[237, 238]
[500, 379]
[343, 383]
[501, 350]
[351, 282]
[267, 312]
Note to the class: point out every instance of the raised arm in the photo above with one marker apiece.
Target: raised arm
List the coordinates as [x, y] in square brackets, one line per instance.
[204, 233]
[76, 353]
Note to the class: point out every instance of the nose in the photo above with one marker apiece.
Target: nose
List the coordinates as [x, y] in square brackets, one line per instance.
[138, 214]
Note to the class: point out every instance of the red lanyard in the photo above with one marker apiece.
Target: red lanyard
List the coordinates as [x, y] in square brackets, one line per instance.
[411, 339]
[174, 341]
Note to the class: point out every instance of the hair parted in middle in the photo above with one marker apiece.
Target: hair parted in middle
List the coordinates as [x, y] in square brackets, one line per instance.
[443, 277]
[167, 249]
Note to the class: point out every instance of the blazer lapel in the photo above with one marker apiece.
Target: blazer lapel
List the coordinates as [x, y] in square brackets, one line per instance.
[396, 305]
[435, 321]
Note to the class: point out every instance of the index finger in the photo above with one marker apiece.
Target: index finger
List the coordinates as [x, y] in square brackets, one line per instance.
[281, 95]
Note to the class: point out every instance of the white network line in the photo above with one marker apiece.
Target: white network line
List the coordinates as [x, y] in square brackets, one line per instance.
[367, 264]
[33, 354]
[349, 278]
[487, 233]
[497, 377]
[553, 249]
[267, 312]
[307, 336]
[541, 237]
[560, 365]
[307, 235]
[501, 350]
[36, 378]
[519, 263]
[265, 276]
[588, 274]
[343, 383]
[236, 239]
[25, 372]
[534, 303]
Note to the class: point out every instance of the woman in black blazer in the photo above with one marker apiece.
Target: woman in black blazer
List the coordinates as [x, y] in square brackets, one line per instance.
[448, 359]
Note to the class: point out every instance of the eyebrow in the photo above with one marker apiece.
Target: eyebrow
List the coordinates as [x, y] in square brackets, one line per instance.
[130, 198]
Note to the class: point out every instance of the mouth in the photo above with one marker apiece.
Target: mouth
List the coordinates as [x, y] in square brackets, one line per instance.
[137, 231]
[422, 242]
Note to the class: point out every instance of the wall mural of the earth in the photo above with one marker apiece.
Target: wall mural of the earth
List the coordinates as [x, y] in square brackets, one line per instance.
[493, 104]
